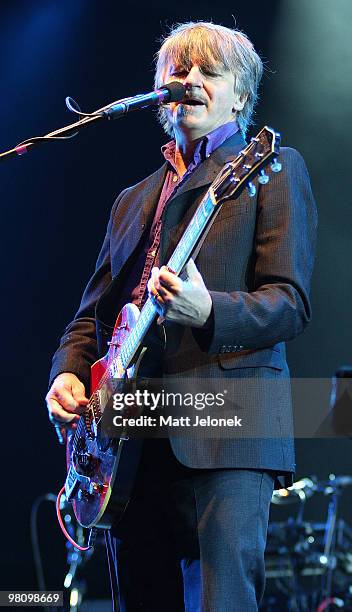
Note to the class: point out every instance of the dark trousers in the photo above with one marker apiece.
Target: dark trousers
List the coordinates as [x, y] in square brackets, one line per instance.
[191, 539]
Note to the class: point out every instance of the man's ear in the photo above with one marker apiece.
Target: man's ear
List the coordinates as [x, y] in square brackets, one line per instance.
[239, 102]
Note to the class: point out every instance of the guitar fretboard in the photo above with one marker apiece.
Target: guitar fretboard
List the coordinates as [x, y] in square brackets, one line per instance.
[176, 262]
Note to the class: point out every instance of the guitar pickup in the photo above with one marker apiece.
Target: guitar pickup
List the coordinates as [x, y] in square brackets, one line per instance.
[71, 483]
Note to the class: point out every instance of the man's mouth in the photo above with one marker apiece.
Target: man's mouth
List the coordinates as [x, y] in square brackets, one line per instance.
[192, 102]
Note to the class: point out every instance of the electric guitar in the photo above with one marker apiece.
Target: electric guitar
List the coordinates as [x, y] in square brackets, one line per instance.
[100, 469]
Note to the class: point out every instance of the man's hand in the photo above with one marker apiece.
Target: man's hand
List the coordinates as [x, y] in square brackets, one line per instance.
[187, 302]
[66, 401]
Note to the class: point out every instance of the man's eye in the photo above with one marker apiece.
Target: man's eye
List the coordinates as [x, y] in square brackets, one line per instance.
[210, 73]
[178, 72]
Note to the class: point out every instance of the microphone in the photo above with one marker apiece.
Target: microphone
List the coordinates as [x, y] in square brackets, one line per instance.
[172, 92]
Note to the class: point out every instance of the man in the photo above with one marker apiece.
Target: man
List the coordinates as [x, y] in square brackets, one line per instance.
[193, 535]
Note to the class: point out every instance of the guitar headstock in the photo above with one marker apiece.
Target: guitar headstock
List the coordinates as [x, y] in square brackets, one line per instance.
[250, 162]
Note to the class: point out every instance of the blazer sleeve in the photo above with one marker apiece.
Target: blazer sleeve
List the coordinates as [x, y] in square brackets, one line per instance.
[78, 345]
[278, 307]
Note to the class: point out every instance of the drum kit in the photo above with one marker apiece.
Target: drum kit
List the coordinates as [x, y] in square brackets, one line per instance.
[309, 564]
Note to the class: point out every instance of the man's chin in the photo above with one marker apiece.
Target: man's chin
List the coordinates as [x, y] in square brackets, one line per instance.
[190, 122]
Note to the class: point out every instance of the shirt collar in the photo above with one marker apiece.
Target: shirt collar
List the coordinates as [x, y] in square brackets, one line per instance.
[205, 146]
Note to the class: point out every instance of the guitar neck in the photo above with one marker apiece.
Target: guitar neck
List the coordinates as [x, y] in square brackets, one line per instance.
[133, 341]
[193, 233]
[178, 259]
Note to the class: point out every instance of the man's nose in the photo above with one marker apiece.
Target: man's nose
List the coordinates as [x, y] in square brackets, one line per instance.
[194, 78]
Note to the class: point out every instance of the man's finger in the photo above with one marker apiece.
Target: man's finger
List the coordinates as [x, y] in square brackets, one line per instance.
[155, 274]
[170, 281]
[78, 393]
[66, 399]
[166, 294]
[192, 270]
[57, 413]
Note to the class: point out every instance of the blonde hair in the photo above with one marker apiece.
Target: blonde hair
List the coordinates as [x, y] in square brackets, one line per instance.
[208, 44]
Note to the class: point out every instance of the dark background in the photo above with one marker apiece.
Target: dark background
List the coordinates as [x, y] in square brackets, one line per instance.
[56, 200]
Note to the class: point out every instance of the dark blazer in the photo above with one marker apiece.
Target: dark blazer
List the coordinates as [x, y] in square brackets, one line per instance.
[256, 262]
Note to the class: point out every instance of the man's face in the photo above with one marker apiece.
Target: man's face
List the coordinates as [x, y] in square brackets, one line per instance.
[210, 100]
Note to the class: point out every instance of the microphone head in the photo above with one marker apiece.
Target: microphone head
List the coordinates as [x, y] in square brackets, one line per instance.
[176, 91]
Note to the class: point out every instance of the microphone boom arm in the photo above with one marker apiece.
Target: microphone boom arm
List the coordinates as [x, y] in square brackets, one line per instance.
[172, 92]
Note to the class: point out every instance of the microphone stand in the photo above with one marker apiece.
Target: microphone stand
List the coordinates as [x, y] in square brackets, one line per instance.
[65, 132]
[114, 110]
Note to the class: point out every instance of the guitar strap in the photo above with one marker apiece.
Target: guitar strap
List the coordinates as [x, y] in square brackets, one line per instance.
[154, 248]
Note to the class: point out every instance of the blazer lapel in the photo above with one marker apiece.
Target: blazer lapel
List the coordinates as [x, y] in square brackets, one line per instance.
[135, 218]
[210, 167]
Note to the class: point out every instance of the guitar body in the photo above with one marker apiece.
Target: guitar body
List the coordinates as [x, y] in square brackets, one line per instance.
[102, 469]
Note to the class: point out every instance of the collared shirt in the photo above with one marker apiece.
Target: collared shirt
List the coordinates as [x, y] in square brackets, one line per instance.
[204, 149]
[172, 182]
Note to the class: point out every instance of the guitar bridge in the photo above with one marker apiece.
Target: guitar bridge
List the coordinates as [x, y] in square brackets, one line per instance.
[73, 479]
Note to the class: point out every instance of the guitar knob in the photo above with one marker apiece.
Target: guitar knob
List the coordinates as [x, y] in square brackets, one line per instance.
[84, 460]
[252, 190]
[263, 178]
[95, 487]
[275, 165]
[83, 495]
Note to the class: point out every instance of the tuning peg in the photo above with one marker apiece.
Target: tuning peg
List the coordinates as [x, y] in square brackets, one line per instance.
[263, 178]
[275, 165]
[251, 190]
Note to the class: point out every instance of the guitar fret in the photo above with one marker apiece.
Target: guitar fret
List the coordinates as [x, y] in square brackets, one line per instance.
[123, 354]
[191, 235]
[133, 340]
